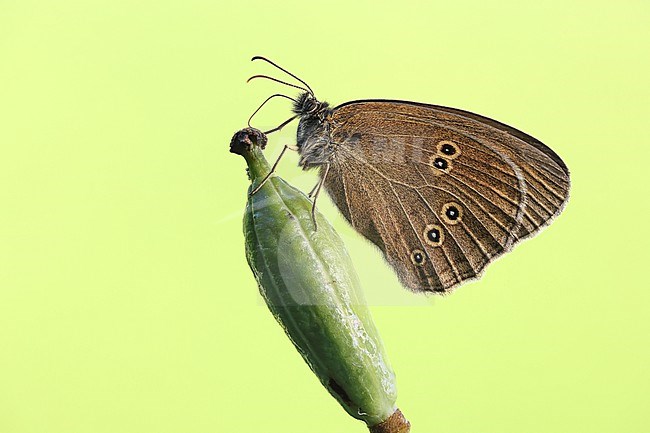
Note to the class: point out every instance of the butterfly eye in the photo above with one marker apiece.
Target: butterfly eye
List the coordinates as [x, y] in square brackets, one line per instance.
[448, 148]
[417, 257]
[433, 235]
[451, 213]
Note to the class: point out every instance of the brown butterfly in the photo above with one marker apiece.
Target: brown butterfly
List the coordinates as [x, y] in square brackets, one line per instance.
[441, 191]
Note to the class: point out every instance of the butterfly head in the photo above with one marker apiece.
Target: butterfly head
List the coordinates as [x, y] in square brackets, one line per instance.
[306, 105]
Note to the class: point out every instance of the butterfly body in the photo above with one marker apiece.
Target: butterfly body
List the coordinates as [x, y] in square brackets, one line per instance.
[313, 138]
[442, 192]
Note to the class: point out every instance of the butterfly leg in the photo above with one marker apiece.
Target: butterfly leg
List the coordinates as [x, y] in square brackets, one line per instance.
[316, 191]
[275, 165]
[313, 190]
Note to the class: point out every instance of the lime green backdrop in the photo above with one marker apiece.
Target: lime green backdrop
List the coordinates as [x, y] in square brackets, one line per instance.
[127, 306]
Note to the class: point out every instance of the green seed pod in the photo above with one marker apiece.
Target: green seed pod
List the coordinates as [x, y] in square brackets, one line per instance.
[308, 282]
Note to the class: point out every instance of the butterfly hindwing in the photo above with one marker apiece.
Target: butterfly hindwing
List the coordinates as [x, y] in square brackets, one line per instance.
[375, 215]
[440, 191]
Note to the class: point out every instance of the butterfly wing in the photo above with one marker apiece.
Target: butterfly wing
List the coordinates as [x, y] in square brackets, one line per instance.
[442, 192]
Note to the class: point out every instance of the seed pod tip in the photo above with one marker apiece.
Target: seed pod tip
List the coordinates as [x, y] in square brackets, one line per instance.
[244, 140]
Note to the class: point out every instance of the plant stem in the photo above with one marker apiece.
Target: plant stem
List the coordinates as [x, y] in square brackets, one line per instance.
[396, 423]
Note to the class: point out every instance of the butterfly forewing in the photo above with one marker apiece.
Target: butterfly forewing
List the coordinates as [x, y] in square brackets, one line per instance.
[440, 191]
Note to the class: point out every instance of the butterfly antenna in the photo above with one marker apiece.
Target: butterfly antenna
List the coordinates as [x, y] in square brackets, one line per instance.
[277, 81]
[285, 71]
[282, 125]
[267, 100]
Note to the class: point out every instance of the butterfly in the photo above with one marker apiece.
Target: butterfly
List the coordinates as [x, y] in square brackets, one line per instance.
[442, 192]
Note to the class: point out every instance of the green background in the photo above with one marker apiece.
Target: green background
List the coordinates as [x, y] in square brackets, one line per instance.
[127, 306]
